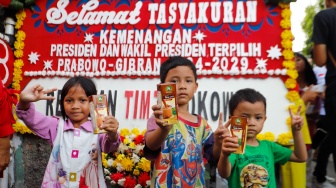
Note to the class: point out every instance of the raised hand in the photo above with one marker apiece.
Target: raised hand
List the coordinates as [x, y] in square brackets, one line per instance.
[297, 120]
[36, 93]
[220, 131]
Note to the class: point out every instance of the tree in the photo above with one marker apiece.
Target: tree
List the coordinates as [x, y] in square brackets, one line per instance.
[307, 24]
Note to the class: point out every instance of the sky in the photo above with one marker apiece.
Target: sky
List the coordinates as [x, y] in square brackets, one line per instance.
[298, 13]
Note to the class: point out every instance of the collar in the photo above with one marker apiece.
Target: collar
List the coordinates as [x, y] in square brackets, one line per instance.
[86, 126]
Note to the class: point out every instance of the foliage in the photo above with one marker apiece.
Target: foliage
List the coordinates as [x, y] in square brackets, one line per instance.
[307, 25]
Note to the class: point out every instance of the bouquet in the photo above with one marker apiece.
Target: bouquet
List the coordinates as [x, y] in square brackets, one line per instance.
[127, 167]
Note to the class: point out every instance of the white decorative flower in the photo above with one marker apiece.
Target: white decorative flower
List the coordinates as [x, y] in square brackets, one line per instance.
[110, 162]
[135, 158]
[119, 167]
[121, 182]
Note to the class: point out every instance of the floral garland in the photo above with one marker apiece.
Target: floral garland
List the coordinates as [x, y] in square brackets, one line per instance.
[127, 167]
[288, 63]
[20, 36]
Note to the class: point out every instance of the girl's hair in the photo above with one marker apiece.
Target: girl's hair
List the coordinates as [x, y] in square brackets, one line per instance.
[247, 95]
[173, 62]
[87, 84]
[309, 74]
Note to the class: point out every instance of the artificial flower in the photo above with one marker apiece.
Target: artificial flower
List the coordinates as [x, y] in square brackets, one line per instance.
[288, 64]
[286, 34]
[290, 83]
[288, 54]
[285, 23]
[292, 73]
[266, 136]
[286, 13]
[293, 96]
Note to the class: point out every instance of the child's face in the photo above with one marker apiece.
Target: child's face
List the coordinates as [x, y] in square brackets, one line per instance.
[186, 85]
[255, 114]
[299, 63]
[76, 106]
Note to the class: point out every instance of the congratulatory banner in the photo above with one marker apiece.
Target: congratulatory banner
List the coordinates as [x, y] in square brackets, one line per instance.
[132, 38]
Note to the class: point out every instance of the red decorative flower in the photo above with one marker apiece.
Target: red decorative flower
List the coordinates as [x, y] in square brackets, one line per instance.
[139, 139]
[143, 178]
[130, 182]
[117, 176]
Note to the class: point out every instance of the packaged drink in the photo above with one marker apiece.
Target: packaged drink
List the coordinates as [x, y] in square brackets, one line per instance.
[167, 100]
[98, 111]
[239, 129]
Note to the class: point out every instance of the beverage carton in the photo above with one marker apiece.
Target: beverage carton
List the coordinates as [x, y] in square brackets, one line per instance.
[239, 129]
[98, 111]
[167, 100]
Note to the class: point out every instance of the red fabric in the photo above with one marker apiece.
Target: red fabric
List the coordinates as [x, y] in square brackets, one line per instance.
[7, 99]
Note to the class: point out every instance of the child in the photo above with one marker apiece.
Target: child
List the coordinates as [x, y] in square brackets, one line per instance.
[177, 150]
[72, 136]
[255, 168]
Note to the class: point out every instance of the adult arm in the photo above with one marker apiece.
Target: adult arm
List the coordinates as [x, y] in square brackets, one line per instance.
[320, 54]
[4, 152]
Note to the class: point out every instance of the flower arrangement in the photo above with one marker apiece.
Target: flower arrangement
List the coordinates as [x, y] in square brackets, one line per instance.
[127, 167]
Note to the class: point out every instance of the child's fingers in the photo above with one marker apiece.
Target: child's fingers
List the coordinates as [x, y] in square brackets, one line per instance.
[220, 120]
[290, 112]
[299, 110]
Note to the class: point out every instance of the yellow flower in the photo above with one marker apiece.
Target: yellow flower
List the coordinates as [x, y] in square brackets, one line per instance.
[132, 145]
[19, 45]
[21, 15]
[293, 96]
[288, 54]
[20, 35]
[143, 132]
[127, 164]
[286, 13]
[286, 43]
[18, 24]
[286, 34]
[120, 157]
[290, 83]
[144, 164]
[124, 132]
[127, 141]
[283, 5]
[18, 53]
[285, 24]
[289, 64]
[104, 160]
[285, 138]
[136, 172]
[135, 131]
[292, 73]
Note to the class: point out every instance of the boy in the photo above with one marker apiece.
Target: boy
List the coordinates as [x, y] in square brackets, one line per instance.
[177, 150]
[255, 168]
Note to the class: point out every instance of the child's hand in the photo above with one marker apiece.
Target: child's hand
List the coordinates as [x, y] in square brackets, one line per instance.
[36, 93]
[221, 130]
[157, 111]
[297, 120]
[230, 144]
[111, 125]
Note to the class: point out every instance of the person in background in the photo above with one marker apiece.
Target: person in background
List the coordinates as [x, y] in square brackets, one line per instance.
[177, 150]
[8, 98]
[324, 38]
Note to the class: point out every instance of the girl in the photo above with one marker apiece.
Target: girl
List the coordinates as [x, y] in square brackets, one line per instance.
[71, 136]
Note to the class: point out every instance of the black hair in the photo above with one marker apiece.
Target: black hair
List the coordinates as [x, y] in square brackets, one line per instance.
[247, 95]
[173, 62]
[309, 74]
[86, 83]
